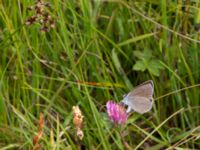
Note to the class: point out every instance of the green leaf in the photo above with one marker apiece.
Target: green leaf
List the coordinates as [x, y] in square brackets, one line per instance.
[154, 71]
[116, 61]
[154, 62]
[154, 67]
[135, 39]
[197, 20]
[145, 55]
[119, 68]
[139, 66]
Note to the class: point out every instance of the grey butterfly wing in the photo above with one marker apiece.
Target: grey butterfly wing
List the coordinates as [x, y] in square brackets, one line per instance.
[145, 89]
[140, 104]
[140, 99]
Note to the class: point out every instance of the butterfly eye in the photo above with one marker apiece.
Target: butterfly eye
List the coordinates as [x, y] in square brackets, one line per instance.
[124, 95]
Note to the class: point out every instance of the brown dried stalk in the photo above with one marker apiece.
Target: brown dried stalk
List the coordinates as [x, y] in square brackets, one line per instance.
[78, 121]
[39, 134]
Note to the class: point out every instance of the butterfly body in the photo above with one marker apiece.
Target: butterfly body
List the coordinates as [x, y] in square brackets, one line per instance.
[140, 99]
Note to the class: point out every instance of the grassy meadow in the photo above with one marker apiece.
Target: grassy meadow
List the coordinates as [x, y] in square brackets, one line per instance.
[65, 53]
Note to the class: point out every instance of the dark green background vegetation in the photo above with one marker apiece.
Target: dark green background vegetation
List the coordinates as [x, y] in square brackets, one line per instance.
[117, 44]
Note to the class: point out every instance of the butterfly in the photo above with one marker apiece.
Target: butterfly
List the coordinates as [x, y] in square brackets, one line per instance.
[140, 99]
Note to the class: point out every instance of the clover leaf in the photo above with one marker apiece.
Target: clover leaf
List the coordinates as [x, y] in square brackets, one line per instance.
[147, 62]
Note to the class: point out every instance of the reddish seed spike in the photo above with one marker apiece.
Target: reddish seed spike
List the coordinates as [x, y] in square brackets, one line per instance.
[31, 20]
[44, 29]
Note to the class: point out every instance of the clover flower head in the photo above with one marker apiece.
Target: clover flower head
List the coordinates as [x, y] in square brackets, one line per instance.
[116, 112]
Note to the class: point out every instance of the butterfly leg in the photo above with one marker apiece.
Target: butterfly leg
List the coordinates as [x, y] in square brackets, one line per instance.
[128, 109]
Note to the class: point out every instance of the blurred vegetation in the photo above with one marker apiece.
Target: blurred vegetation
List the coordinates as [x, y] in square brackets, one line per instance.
[97, 51]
